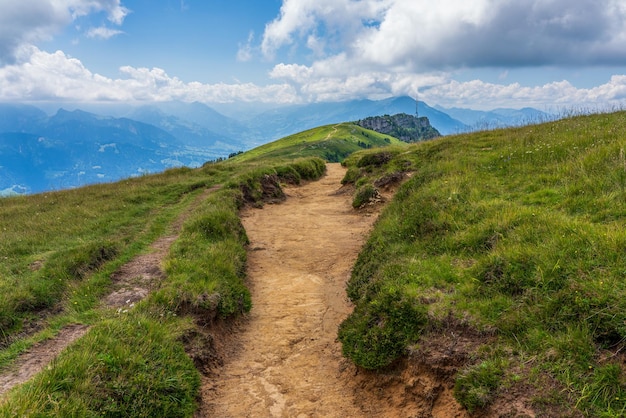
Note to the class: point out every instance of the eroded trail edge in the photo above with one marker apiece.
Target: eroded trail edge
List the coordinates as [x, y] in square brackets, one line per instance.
[131, 283]
[289, 361]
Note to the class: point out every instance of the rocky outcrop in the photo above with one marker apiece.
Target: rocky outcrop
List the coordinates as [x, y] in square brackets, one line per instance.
[407, 128]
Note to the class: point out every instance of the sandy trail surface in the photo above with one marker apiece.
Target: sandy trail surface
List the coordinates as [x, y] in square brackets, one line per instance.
[289, 362]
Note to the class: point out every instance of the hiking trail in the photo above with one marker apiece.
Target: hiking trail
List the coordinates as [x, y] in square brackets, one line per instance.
[131, 283]
[286, 360]
[289, 361]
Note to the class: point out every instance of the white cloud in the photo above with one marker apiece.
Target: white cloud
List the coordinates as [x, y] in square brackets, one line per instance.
[44, 76]
[481, 95]
[318, 83]
[41, 76]
[116, 13]
[103, 32]
[423, 35]
[30, 21]
[245, 52]
[335, 20]
[372, 48]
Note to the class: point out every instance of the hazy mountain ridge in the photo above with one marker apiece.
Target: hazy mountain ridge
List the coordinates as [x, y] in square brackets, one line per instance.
[496, 118]
[96, 143]
[286, 121]
[74, 148]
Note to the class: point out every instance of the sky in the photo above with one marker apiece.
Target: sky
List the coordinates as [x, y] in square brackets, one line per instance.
[479, 54]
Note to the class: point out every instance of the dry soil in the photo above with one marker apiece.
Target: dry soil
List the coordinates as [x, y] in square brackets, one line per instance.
[288, 362]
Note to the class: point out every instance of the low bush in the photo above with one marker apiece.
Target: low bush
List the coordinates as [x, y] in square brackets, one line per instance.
[205, 267]
[364, 195]
[310, 168]
[288, 174]
[378, 331]
[352, 175]
[376, 159]
[476, 385]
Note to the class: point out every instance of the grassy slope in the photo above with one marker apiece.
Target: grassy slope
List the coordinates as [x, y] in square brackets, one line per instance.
[332, 143]
[514, 234]
[57, 255]
[516, 237]
[58, 252]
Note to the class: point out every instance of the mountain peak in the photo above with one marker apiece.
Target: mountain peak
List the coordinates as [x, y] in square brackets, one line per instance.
[407, 128]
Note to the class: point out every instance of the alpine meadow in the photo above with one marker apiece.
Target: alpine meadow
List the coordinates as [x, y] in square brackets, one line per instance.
[495, 272]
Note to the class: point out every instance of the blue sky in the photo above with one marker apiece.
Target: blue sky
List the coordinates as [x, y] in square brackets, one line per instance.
[481, 54]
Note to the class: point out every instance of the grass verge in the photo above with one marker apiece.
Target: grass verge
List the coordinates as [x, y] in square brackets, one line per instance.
[517, 234]
[133, 362]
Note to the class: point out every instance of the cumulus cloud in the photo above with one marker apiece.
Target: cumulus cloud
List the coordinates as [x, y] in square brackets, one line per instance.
[354, 49]
[371, 48]
[43, 76]
[482, 95]
[30, 21]
[425, 35]
[338, 21]
[317, 83]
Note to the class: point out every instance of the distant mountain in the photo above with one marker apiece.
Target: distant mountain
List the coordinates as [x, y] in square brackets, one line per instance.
[187, 131]
[497, 118]
[62, 148]
[18, 117]
[407, 128]
[281, 122]
[74, 148]
[194, 115]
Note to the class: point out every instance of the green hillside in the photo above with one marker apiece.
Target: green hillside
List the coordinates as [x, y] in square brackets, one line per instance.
[58, 253]
[332, 143]
[500, 264]
[512, 243]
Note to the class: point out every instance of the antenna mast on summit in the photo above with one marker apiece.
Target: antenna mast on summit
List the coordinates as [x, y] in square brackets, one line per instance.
[417, 95]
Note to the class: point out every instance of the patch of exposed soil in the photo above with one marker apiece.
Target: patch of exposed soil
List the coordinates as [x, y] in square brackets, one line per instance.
[286, 361]
[134, 280]
[38, 357]
[131, 283]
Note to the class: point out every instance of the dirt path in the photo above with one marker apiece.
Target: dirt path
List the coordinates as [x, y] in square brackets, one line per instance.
[131, 283]
[134, 280]
[39, 357]
[289, 363]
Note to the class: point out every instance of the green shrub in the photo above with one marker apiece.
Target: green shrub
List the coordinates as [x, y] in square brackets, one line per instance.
[217, 223]
[352, 175]
[310, 168]
[206, 266]
[364, 195]
[131, 366]
[476, 385]
[288, 174]
[80, 261]
[378, 331]
[376, 159]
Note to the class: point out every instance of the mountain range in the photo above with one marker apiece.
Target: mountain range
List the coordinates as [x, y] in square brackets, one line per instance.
[59, 149]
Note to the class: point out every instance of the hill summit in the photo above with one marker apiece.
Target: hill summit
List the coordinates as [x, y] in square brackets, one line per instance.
[407, 128]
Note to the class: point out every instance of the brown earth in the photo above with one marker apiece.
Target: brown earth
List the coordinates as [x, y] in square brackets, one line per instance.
[131, 283]
[285, 361]
[39, 356]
